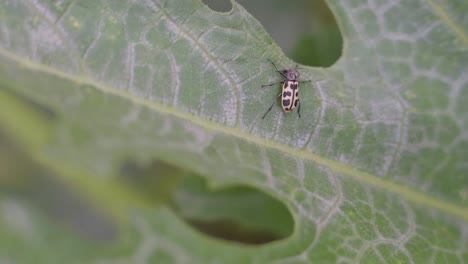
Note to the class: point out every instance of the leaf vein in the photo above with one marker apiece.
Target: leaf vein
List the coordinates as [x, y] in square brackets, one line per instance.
[73, 50]
[406, 192]
[222, 71]
[442, 14]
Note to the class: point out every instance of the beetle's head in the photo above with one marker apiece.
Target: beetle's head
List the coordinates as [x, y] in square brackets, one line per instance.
[292, 75]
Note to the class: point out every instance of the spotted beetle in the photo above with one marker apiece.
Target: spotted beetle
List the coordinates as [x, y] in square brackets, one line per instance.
[289, 95]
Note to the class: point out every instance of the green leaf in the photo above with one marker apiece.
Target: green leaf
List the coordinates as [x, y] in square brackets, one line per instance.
[374, 171]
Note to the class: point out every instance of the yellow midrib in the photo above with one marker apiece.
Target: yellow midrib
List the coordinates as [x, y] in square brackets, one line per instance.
[447, 19]
[409, 194]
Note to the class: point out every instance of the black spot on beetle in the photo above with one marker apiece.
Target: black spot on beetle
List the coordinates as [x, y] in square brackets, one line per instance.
[286, 93]
[294, 86]
[297, 94]
[295, 103]
[286, 102]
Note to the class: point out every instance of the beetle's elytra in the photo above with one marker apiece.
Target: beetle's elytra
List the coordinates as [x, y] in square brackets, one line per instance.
[289, 95]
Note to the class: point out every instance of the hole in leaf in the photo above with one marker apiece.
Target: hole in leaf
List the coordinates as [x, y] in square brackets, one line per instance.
[305, 30]
[236, 214]
[240, 214]
[155, 181]
[219, 5]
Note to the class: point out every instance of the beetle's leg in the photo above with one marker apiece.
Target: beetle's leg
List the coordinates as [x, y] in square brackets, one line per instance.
[306, 81]
[299, 108]
[278, 71]
[271, 84]
[269, 109]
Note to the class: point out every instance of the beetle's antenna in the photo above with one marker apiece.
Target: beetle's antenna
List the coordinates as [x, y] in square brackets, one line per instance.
[271, 84]
[277, 70]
